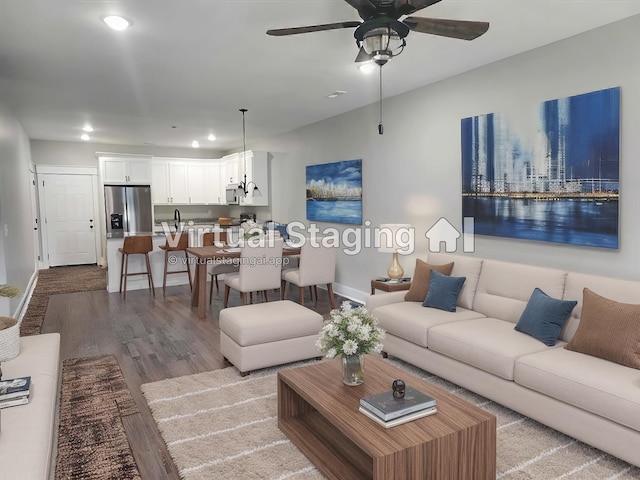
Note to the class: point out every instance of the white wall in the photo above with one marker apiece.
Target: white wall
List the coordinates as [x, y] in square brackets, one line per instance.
[45, 152]
[412, 173]
[17, 264]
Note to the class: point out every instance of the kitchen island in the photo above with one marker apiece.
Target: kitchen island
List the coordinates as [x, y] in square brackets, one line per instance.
[156, 259]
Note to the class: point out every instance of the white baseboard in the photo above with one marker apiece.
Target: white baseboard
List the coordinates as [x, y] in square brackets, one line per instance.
[24, 303]
[350, 293]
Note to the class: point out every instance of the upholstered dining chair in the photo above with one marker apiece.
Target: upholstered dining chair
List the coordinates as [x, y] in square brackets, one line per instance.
[260, 269]
[317, 267]
[222, 268]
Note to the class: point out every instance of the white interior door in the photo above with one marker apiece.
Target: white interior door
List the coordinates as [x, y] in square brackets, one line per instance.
[69, 216]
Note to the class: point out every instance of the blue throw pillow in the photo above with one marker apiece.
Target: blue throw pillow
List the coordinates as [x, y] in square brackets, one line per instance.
[544, 316]
[443, 291]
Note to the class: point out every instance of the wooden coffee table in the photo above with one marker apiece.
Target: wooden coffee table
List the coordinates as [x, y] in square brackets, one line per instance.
[320, 416]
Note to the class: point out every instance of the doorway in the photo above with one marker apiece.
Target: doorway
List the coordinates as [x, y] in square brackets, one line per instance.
[69, 220]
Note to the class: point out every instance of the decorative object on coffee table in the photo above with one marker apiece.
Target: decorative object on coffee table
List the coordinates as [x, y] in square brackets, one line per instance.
[352, 332]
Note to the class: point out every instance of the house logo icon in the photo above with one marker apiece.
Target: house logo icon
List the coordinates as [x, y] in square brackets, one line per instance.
[444, 232]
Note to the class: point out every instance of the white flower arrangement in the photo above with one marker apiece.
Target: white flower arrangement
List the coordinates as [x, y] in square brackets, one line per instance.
[351, 331]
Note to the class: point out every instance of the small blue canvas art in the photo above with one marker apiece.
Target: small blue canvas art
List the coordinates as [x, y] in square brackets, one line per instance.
[334, 192]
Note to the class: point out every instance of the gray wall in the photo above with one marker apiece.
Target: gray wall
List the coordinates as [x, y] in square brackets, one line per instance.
[412, 173]
[45, 152]
[17, 263]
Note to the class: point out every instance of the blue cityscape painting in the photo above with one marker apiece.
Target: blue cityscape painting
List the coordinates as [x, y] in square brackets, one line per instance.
[334, 192]
[553, 176]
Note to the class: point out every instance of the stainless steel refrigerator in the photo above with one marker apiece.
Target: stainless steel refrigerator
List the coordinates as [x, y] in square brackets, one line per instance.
[128, 210]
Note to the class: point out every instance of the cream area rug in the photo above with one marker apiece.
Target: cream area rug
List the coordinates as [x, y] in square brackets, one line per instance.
[221, 425]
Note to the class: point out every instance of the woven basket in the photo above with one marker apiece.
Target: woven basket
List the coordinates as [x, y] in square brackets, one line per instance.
[9, 338]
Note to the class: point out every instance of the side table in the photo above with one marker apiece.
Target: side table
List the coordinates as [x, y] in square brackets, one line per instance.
[389, 286]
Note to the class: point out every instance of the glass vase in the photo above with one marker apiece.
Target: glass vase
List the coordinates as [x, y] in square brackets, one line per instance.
[353, 369]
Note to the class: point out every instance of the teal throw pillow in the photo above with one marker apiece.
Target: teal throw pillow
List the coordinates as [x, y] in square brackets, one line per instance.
[443, 291]
[544, 317]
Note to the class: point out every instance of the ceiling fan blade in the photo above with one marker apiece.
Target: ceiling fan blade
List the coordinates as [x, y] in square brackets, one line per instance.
[363, 56]
[462, 29]
[279, 32]
[407, 7]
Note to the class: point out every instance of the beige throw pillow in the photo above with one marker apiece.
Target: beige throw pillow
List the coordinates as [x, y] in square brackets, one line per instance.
[608, 329]
[420, 281]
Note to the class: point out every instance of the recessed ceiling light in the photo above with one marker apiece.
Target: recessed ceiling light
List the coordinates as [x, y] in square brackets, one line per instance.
[85, 137]
[337, 93]
[117, 22]
[87, 128]
[367, 67]
[195, 144]
[211, 137]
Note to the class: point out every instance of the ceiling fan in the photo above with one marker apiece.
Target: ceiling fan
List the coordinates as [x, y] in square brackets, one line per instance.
[381, 34]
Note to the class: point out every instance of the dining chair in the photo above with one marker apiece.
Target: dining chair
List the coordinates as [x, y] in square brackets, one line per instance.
[135, 245]
[260, 269]
[317, 267]
[221, 267]
[181, 246]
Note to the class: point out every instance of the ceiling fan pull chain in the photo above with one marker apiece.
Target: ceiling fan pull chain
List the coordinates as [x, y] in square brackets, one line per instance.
[380, 127]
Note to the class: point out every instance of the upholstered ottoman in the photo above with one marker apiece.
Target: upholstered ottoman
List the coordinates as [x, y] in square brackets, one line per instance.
[266, 334]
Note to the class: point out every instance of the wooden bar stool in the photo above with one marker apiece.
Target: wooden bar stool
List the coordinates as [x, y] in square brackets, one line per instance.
[136, 245]
[182, 245]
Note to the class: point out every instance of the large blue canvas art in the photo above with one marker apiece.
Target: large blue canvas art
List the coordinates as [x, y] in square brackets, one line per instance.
[550, 176]
[334, 192]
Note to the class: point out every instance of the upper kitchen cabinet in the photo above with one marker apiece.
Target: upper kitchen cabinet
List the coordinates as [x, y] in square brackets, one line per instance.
[256, 168]
[203, 182]
[169, 182]
[178, 181]
[125, 170]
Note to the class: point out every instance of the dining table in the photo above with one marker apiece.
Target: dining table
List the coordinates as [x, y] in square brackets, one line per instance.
[205, 255]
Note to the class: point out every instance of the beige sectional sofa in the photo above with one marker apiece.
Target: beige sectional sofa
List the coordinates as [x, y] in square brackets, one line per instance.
[589, 398]
[28, 432]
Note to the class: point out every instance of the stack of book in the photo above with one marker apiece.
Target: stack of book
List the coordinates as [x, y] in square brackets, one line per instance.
[389, 411]
[14, 392]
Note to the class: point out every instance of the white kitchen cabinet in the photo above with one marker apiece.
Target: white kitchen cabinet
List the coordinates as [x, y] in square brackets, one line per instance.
[196, 183]
[177, 181]
[169, 182]
[178, 192]
[123, 170]
[160, 182]
[212, 179]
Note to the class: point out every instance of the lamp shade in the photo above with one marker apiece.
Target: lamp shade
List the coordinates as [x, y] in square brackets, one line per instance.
[393, 237]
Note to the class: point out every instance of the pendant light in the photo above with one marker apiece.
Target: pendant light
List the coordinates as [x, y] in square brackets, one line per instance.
[243, 187]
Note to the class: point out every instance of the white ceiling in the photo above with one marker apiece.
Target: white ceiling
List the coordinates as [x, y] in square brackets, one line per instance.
[193, 63]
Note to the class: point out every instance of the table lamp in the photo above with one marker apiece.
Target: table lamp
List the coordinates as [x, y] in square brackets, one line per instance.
[389, 244]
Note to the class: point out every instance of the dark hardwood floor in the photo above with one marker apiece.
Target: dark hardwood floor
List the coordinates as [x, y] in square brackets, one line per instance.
[153, 339]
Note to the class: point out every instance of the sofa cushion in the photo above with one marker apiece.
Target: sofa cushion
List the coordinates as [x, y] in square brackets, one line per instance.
[489, 344]
[544, 316]
[609, 330]
[411, 321]
[420, 281]
[463, 266]
[593, 384]
[504, 288]
[626, 291]
[443, 292]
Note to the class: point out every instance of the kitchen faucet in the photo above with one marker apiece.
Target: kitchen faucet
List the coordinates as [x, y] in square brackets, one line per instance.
[176, 218]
